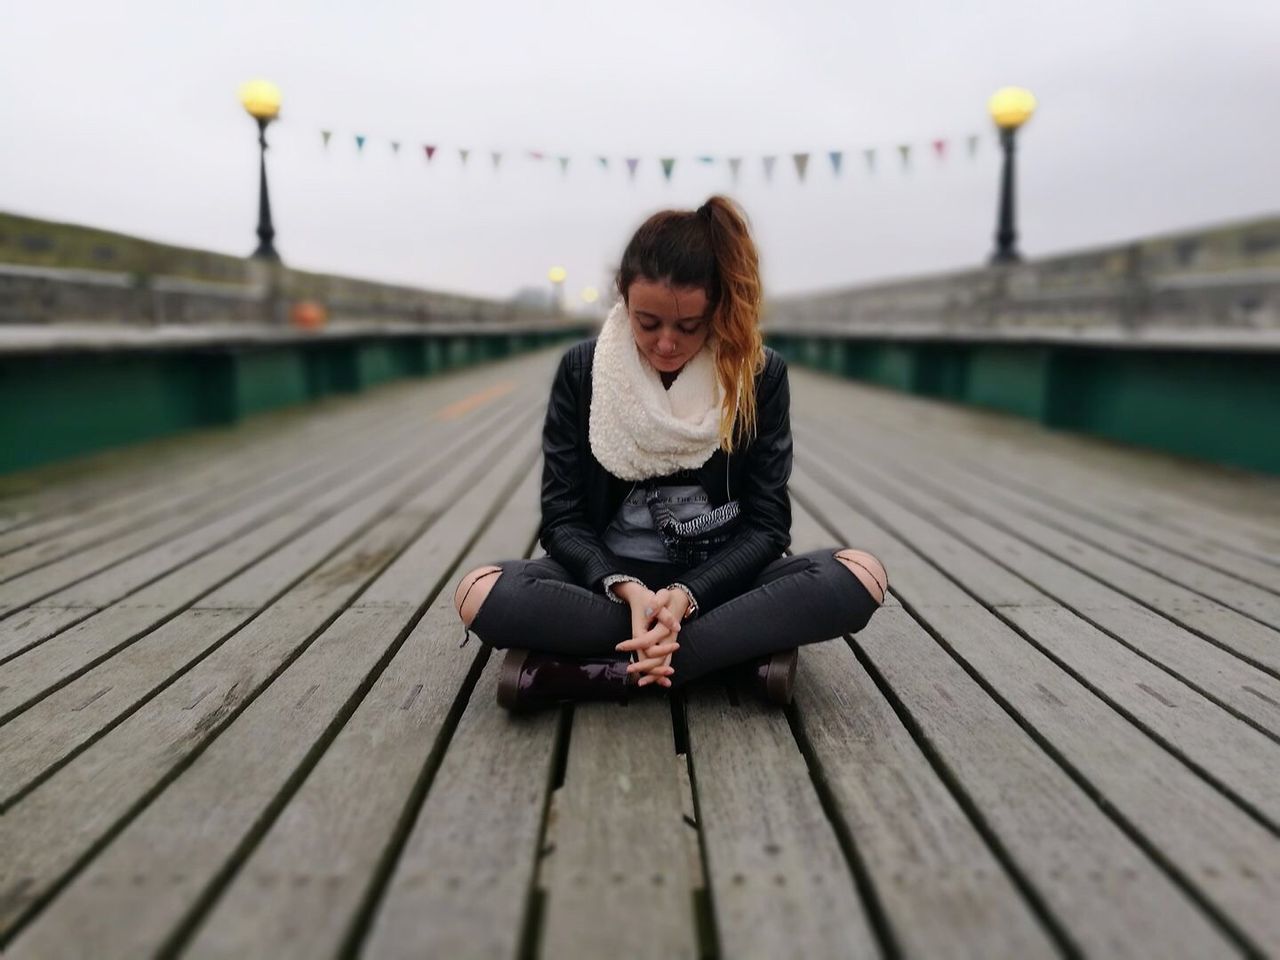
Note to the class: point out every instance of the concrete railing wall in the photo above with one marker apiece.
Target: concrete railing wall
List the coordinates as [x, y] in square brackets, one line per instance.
[62, 273]
[1223, 279]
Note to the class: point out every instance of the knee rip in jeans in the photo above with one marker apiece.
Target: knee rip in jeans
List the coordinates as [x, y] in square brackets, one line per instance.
[475, 578]
[873, 567]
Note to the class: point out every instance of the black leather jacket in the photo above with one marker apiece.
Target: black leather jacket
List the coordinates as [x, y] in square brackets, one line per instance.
[580, 497]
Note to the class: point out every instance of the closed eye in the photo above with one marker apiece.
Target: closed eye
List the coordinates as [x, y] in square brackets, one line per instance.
[687, 331]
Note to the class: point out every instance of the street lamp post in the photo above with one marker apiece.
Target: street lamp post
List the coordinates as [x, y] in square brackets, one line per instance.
[1010, 108]
[262, 100]
[556, 275]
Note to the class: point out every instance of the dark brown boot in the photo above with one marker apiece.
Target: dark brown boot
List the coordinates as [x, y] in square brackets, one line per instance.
[772, 678]
[530, 679]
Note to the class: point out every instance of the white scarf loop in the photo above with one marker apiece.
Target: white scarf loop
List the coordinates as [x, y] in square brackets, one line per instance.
[638, 429]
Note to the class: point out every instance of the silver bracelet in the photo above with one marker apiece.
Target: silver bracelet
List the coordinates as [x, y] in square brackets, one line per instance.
[693, 601]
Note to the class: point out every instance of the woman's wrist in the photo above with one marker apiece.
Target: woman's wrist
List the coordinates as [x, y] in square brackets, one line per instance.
[693, 601]
[621, 587]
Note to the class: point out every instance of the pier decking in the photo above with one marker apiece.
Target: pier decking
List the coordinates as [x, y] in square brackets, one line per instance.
[235, 719]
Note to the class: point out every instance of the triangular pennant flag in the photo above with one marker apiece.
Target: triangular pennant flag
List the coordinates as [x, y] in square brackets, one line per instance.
[564, 165]
[940, 148]
[768, 167]
[359, 143]
[604, 162]
[871, 159]
[668, 164]
[973, 144]
[735, 163]
[463, 152]
[905, 150]
[537, 155]
[836, 156]
[325, 135]
[395, 147]
[632, 163]
[802, 164]
[706, 159]
[497, 158]
[431, 152]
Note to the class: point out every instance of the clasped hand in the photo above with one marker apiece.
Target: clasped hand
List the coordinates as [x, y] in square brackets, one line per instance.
[655, 626]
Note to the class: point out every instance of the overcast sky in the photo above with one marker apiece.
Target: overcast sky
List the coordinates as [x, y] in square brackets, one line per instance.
[1154, 115]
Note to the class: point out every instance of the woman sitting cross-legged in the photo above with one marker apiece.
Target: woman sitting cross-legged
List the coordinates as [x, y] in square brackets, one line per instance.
[665, 512]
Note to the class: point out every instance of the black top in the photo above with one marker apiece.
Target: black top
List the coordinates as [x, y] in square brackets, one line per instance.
[580, 497]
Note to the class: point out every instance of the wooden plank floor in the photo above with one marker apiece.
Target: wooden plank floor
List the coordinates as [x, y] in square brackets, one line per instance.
[236, 721]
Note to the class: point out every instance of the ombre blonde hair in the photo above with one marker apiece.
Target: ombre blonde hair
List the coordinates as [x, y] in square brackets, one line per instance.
[711, 248]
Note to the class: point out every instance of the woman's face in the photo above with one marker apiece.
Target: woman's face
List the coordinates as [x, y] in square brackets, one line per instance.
[670, 324]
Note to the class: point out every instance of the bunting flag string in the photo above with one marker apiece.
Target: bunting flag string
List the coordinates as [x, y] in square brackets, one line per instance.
[800, 160]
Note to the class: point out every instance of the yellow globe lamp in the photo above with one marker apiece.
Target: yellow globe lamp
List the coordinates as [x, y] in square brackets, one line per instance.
[261, 98]
[557, 274]
[590, 295]
[1011, 107]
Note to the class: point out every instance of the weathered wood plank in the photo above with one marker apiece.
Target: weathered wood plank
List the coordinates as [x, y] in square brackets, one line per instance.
[40, 543]
[780, 885]
[1103, 891]
[1245, 690]
[46, 733]
[1254, 640]
[61, 583]
[1210, 505]
[1211, 845]
[71, 652]
[617, 880]
[82, 578]
[942, 890]
[1234, 754]
[50, 829]
[322, 858]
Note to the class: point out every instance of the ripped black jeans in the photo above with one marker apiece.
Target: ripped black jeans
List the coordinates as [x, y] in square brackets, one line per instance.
[797, 599]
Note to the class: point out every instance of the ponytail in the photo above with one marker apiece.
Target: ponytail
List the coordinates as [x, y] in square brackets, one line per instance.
[736, 321]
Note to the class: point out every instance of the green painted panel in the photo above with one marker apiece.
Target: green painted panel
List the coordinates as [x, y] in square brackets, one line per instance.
[890, 364]
[1214, 406]
[61, 405]
[266, 379]
[375, 362]
[457, 351]
[1009, 377]
[942, 370]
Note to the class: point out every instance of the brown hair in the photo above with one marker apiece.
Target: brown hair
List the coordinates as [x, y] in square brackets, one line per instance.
[711, 248]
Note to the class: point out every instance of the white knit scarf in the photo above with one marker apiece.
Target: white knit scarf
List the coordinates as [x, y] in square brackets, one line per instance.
[638, 429]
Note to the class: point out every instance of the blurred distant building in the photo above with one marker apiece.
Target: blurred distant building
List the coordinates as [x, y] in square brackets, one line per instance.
[534, 297]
